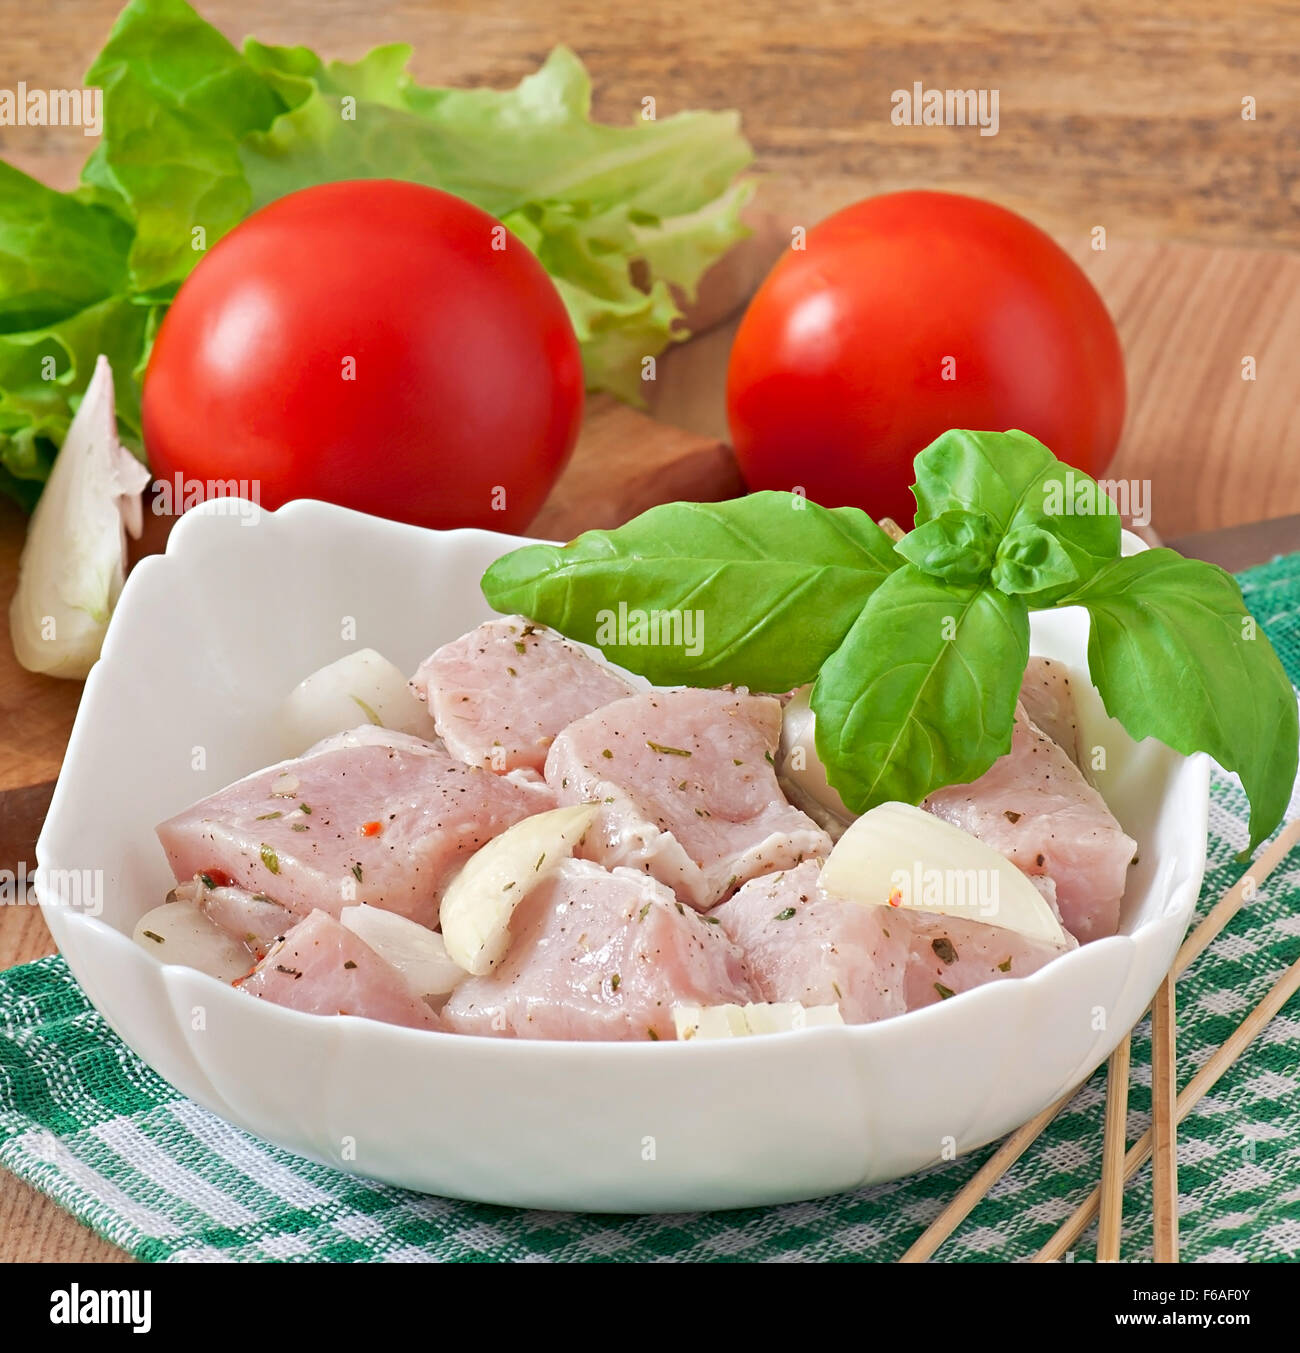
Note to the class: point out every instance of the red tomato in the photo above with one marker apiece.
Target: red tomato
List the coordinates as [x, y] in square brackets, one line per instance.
[365, 343]
[907, 315]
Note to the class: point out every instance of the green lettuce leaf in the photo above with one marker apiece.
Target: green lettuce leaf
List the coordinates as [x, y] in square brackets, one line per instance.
[57, 255]
[63, 282]
[178, 98]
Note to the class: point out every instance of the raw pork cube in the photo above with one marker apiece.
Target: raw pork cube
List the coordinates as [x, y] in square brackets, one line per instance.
[950, 954]
[1034, 806]
[1049, 704]
[687, 789]
[501, 693]
[603, 956]
[871, 961]
[801, 945]
[373, 821]
[322, 968]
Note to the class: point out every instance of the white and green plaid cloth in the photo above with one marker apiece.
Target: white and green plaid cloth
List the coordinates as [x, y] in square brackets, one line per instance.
[85, 1121]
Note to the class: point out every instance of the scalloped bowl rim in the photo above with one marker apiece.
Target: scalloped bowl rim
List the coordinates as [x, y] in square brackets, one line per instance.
[92, 943]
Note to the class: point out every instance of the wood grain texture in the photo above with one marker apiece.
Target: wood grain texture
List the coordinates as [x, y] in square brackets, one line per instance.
[1125, 113]
[1114, 1145]
[1126, 116]
[1164, 1124]
[1217, 449]
[36, 712]
[627, 462]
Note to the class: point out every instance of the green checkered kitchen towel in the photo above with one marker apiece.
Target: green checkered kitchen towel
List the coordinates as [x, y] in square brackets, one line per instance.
[85, 1121]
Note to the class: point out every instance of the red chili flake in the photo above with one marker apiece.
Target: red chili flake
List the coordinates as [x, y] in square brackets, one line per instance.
[895, 897]
[371, 828]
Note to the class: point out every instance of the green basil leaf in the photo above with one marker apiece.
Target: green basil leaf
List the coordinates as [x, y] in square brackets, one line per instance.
[956, 545]
[1030, 560]
[763, 588]
[1176, 656]
[923, 691]
[1012, 478]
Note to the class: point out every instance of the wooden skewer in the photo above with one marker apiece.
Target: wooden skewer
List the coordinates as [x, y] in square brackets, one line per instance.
[1114, 1145]
[1140, 1152]
[1024, 1137]
[1164, 1057]
[1164, 1135]
[1231, 902]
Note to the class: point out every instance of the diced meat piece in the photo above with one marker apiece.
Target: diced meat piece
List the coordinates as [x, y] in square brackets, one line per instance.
[951, 954]
[801, 945]
[687, 789]
[322, 968]
[372, 822]
[251, 918]
[871, 961]
[1034, 806]
[501, 693]
[601, 956]
[1048, 702]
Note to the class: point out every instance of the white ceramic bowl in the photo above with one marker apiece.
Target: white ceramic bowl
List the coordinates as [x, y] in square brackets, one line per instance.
[206, 642]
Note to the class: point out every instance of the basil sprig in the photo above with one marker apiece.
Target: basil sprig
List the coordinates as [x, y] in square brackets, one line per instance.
[1026, 493]
[917, 649]
[775, 581]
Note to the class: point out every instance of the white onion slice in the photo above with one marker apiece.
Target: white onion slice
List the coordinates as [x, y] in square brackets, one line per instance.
[179, 932]
[74, 561]
[417, 952]
[481, 899]
[897, 855]
[361, 688]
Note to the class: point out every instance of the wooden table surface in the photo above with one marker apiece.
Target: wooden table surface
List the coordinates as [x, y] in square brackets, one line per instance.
[1126, 115]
